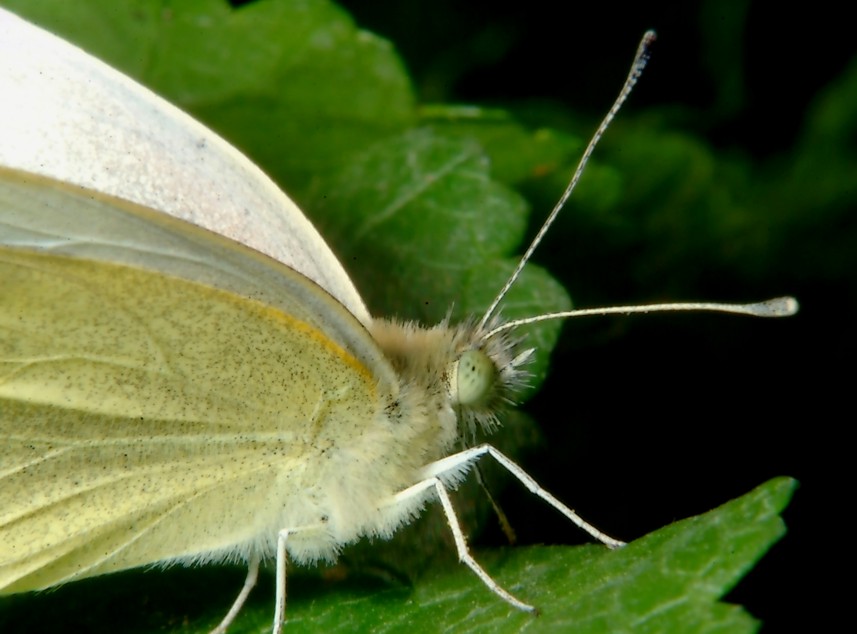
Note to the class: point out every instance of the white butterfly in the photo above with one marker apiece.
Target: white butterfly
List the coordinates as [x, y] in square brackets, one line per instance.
[178, 385]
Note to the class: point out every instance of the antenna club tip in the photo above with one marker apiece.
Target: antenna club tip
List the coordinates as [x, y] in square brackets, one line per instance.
[650, 36]
[782, 306]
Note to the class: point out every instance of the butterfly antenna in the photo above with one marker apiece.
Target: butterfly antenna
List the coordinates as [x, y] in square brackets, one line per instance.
[640, 60]
[777, 307]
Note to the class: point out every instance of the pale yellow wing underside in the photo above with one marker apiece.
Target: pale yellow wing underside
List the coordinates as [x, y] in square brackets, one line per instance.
[143, 416]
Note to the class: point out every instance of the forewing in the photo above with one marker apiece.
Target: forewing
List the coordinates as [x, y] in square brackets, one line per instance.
[68, 116]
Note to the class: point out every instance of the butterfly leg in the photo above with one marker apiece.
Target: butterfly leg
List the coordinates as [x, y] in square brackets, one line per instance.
[249, 582]
[280, 602]
[451, 468]
[418, 491]
[282, 559]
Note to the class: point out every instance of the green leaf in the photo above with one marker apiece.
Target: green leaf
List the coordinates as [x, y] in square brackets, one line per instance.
[518, 154]
[297, 86]
[668, 581]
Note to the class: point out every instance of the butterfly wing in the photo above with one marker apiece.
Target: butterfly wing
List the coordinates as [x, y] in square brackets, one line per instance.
[66, 115]
[143, 416]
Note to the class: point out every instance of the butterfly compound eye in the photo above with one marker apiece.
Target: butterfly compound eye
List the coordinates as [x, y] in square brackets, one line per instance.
[474, 378]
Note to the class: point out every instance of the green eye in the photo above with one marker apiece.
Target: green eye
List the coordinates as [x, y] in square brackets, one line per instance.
[474, 378]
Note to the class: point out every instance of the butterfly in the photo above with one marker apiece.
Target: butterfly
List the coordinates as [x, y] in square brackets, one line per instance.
[180, 386]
